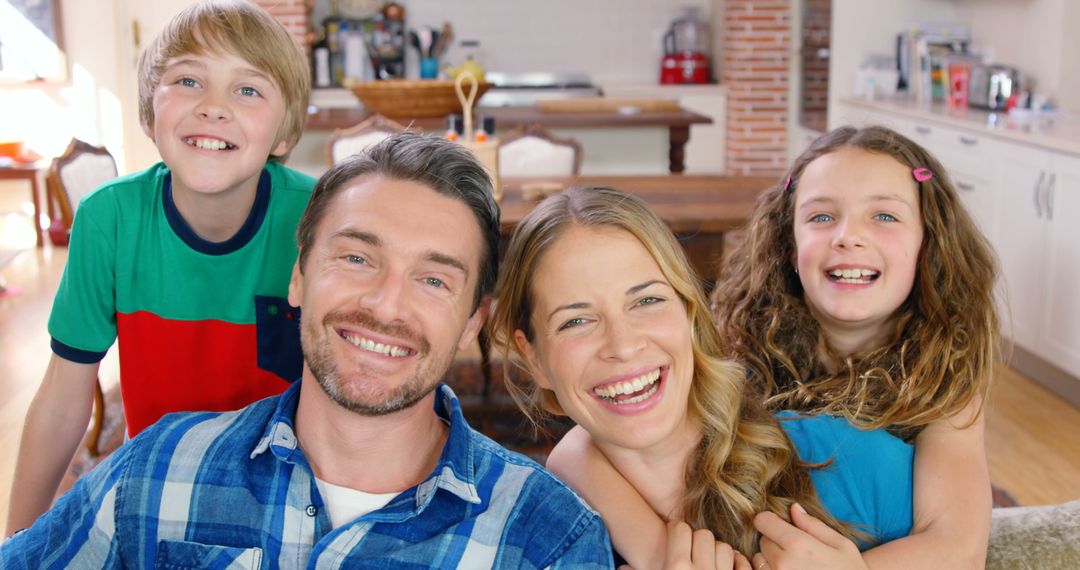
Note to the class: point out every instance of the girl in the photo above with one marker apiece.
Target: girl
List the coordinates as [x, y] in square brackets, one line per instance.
[597, 299]
[865, 291]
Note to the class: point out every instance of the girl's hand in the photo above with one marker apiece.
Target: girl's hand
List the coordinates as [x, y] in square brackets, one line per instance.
[807, 544]
[699, 550]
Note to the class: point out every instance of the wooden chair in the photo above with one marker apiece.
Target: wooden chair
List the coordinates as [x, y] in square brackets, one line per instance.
[347, 142]
[532, 150]
[79, 170]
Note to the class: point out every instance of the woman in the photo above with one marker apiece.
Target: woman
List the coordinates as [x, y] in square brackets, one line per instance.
[598, 302]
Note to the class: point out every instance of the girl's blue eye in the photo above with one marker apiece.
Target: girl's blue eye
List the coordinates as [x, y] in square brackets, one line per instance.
[885, 217]
[820, 218]
[571, 324]
[249, 92]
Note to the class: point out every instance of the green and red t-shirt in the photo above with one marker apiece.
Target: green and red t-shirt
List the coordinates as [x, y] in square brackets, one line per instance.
[201, 325]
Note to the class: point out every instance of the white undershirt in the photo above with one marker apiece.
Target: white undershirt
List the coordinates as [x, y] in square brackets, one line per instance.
[345, 505]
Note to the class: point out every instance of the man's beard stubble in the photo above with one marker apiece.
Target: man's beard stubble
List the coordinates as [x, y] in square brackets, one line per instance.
[320, 361]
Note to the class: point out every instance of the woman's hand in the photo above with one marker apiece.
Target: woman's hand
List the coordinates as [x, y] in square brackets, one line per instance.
[806, 544]
[698, 550]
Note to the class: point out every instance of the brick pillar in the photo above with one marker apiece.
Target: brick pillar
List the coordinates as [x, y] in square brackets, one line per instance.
[816, 30]
[292, 14]
[755, 69]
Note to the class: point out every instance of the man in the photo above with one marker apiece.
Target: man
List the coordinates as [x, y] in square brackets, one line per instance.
[367, 461]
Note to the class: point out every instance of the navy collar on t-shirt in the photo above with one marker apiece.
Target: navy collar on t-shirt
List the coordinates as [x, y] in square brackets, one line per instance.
[251, 225]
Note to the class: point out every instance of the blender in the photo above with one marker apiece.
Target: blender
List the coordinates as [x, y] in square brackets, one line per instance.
[686, 50]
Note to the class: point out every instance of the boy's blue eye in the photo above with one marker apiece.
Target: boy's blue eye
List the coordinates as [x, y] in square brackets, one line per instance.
[249, 92]
[883, 217]
[820, 218]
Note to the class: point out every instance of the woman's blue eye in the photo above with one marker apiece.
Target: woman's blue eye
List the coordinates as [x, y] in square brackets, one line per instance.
[650, 300]
[249, 92]
[820, 218]
[885, 217]
[571, 324]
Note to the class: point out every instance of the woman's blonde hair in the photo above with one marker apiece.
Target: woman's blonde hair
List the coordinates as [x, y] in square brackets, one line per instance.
[745, 463]
[240, 28]
[944, 341]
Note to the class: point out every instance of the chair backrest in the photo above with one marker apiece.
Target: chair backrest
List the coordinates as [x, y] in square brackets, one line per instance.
[81, 169]
[531, 150]
[347, 142]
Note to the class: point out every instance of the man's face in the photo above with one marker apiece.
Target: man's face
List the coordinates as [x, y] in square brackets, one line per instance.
[387, 293]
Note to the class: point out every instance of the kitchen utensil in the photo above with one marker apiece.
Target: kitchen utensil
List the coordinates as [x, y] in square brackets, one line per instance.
[993, 85]
[467, 101]
[686, 48]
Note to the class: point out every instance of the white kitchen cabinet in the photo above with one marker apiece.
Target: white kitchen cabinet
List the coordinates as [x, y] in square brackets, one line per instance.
[1039, 252]
[1060, 330]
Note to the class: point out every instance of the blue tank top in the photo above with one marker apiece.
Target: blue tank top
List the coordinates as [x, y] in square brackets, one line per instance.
[869, 482]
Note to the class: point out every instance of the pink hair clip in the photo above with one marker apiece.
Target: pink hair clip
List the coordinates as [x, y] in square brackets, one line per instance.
[922, 174]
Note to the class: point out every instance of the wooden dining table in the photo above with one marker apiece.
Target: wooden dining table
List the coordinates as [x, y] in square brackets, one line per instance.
[699, 209]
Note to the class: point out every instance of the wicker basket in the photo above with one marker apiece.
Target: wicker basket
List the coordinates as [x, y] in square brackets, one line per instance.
[408, 98]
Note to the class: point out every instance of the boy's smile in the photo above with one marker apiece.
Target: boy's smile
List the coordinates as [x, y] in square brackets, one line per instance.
[216, 122]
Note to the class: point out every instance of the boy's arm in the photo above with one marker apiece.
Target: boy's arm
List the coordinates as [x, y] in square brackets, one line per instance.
[639, 534]
[55, 425]
[952, 499]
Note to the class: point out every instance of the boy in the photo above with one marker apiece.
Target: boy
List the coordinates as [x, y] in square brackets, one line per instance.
[187, 263]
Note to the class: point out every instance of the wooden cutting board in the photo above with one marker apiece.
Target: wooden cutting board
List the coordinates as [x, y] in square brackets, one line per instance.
[607, 105]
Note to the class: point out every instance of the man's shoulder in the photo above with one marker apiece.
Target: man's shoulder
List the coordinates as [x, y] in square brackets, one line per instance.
[185, 437]
[537, 493]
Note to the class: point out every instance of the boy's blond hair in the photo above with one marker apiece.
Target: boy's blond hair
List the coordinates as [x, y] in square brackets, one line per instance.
[241, 28]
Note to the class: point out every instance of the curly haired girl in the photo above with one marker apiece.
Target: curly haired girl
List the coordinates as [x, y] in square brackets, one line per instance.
[864, 290]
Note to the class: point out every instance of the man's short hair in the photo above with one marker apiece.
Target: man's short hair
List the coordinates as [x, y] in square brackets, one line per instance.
[441, 165]
[240, 28]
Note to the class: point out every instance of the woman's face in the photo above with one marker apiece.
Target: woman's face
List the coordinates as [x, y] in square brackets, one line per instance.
[611, 338]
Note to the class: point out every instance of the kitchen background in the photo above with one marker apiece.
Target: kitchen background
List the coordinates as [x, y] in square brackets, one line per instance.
[756, 48]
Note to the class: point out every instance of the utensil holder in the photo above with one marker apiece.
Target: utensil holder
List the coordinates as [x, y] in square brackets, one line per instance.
[487, 152]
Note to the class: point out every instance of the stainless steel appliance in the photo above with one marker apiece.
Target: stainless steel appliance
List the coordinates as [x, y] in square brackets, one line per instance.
[992, 87]
[525, 89]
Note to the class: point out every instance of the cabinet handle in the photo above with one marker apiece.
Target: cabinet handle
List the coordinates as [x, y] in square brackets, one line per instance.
[965, 186]
[1050, 196]
[969, 141]
[1037, 194]
[922, 130]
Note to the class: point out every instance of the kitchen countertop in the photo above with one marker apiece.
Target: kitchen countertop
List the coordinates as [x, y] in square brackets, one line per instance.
[1061, 133]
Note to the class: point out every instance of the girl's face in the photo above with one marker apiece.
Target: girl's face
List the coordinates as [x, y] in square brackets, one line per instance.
[611, 339]
[858, 231]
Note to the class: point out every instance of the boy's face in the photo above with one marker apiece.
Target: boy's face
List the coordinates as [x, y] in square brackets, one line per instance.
[216, 121]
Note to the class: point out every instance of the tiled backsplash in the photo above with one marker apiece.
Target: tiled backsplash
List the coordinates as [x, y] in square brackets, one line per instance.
[614, 41]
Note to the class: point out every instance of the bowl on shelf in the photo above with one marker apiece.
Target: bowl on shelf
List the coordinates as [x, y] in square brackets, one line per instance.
[409, 98]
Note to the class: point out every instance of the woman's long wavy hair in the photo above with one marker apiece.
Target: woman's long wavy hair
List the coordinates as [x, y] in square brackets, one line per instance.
[745, 463]
[944, 338]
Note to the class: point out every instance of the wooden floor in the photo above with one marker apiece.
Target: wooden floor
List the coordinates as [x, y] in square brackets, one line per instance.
[1033, 436]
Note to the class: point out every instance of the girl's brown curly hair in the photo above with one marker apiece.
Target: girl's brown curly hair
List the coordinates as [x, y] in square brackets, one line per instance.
[944, 338]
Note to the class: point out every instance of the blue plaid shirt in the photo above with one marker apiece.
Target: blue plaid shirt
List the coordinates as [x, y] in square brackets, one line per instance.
[233, 490]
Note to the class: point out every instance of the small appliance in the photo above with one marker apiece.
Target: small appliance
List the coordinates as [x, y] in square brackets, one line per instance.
[994, 87]
[686, 50]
